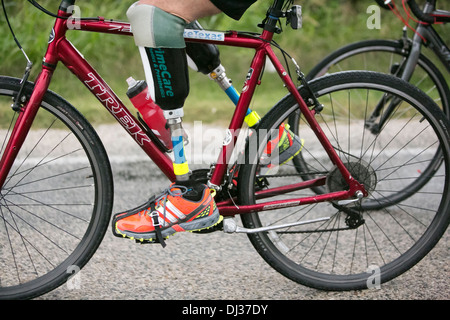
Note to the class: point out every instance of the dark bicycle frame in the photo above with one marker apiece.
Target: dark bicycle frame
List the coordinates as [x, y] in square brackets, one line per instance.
[61, 50]
[424, 35]
[425, 31]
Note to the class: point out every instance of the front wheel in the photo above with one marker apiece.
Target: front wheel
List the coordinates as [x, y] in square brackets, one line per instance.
[392, 228]
[56, 202]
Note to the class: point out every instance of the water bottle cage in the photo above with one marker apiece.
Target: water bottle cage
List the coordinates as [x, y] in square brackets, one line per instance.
[152, 136]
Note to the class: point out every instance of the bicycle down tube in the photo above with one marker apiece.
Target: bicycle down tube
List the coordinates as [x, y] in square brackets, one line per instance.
[61, 50]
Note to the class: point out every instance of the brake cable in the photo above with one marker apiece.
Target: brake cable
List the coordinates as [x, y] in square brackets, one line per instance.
[41, 8]
[17, 100]
[13, 34]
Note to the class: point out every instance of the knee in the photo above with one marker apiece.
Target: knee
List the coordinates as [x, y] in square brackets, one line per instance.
[155, 28]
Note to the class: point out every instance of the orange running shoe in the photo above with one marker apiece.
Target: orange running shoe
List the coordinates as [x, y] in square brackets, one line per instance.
[285, 146]
[175, 210]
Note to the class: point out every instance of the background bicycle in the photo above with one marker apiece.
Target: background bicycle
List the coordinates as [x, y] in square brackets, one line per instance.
[420, 56]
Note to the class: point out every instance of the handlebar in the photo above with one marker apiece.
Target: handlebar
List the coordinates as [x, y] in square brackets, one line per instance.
[419, 13]
[434, 17]
[382, 5]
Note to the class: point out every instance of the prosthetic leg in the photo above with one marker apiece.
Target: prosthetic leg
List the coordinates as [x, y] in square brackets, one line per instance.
[159, 36]
[185, 205]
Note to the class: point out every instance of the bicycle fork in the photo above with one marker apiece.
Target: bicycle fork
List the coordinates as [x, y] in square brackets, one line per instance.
[28, 112]
[25, 118]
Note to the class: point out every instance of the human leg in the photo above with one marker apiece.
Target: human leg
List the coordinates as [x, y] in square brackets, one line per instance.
[189, 10]
[158, 28]
[185, 205]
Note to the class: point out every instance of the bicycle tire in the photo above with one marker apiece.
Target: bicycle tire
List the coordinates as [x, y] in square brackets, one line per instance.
[56, 202]
[337, 254]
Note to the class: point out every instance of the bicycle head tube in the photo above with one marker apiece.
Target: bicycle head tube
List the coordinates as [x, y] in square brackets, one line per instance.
[273, 14]
[65, 4]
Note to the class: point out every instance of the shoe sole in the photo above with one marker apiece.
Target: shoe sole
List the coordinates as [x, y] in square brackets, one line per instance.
[195, 225]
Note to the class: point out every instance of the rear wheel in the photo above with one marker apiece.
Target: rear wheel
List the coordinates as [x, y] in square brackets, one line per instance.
[397, 224]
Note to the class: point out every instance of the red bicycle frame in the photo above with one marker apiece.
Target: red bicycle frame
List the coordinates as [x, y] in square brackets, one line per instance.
[61, 50]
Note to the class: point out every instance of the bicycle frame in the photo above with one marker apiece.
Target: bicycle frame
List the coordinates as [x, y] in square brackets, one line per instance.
[424, 34]
[61, 50]
[425, 31]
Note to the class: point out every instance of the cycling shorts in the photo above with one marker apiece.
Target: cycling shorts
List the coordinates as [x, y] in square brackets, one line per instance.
[233, 8]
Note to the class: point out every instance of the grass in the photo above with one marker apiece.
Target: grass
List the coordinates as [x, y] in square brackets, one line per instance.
[327, 26]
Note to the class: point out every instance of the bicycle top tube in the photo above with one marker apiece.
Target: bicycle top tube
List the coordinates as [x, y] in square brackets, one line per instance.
[228, 38]
[432, 15]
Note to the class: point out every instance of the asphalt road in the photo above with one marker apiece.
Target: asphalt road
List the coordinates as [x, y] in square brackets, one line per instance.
[216, 266]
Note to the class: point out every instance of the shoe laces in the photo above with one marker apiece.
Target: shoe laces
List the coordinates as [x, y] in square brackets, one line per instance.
[181, 190]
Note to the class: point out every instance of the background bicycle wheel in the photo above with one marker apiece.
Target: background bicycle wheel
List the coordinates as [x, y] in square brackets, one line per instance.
[388, 56]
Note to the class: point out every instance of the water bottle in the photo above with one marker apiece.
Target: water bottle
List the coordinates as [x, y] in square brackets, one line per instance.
[149, 110]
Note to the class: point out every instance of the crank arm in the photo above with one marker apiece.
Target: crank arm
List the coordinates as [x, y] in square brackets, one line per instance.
[230, 226]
